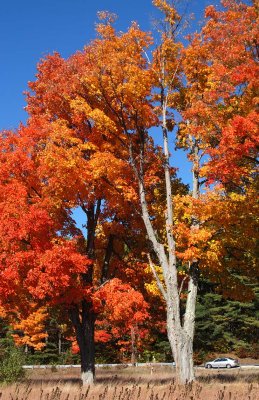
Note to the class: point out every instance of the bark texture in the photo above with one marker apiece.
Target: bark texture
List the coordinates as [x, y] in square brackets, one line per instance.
[180, 328]
[84, 327]
[83, 316]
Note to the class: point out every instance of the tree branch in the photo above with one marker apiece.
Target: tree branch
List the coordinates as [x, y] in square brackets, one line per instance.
[158, 281]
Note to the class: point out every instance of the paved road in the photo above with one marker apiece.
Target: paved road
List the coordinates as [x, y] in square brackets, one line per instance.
[252, 366]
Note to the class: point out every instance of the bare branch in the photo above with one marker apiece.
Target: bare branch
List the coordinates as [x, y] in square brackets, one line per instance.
[182, 283]
[158, 281]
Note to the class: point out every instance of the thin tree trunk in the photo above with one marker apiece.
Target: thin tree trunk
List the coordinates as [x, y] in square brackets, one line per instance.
[59, 342]
[107, 259]
[133, 346]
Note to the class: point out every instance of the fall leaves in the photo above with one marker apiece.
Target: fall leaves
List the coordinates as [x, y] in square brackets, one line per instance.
[87, 144]
[221, 66]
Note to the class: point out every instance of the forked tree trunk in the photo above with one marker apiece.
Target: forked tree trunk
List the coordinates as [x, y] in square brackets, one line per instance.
[180, 330]
[181, 335]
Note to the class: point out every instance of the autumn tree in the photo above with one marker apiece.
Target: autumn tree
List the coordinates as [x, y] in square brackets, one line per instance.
[33, 254]
[87, 145]
[221, 116]
[195, 99]
[216, 76]
[31, 331]
[73, 153]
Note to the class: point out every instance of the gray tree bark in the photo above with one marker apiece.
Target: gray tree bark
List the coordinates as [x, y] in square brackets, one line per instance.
[180, 330]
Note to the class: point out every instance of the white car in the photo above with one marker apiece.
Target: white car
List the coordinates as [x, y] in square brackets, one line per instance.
[223, 362]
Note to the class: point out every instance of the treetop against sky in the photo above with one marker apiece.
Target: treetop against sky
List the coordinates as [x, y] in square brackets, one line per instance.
[30, 30]
[87, 144]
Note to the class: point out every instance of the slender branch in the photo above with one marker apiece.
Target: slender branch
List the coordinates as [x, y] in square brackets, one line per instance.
[97, 212]
[37, 193]
[158, 281]
[103, 284]
[181, 286]
[107, 259]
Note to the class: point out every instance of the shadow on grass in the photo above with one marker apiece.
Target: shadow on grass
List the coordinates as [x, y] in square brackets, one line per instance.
[125, 378]
[131, 380]
[102, 380]
[227, 378]
[51, 381]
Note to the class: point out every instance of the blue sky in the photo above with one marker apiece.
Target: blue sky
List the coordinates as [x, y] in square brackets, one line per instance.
[30, 29]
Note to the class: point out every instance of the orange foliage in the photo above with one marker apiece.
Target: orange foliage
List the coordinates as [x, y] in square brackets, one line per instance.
[32, 329]
[221, 66]
[124, 309]
[83, 147]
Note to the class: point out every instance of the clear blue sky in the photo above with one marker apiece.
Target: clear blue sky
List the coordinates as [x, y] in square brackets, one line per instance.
[30, 29]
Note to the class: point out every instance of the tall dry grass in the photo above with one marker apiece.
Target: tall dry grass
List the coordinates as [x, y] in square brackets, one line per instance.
[134, 384]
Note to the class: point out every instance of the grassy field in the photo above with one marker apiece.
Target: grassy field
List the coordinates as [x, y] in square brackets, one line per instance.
[134, 384]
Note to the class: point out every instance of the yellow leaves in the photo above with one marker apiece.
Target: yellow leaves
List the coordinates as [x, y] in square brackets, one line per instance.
[32, 329]
[183, 208]
[79, 105]
[171, 15]
[102, 121]
[2, 312]
[226, 234]
[194, 242]
[151, 287]
[98, 117]
[88, 146]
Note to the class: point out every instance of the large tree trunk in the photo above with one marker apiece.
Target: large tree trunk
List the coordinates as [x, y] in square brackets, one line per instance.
[88, 346]
[83, 315]
[84, 328]
[180, 330]
[183, 356]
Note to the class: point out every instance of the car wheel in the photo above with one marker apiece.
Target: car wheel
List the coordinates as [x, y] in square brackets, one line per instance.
[209, 366]
[228, 366]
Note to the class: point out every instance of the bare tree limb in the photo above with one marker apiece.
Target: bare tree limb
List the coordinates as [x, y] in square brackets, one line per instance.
[158, 281]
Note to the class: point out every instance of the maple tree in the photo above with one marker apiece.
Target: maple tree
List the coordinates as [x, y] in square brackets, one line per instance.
[222, 95]
[33, 253]
[198, 131]
[221, 118]
[122, 319]
[87, 145]
[31, 330]
[71, 137]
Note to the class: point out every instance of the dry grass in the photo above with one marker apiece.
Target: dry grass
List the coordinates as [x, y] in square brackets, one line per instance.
[135, 384]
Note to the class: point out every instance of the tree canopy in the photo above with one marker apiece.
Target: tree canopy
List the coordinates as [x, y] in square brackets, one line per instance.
[87, 144]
